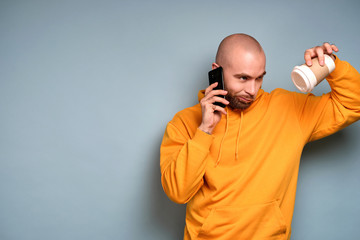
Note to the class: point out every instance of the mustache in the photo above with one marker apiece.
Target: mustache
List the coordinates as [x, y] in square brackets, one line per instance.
[246, 97]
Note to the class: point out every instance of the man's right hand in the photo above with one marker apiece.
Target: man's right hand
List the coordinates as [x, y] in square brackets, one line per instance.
[211, 114]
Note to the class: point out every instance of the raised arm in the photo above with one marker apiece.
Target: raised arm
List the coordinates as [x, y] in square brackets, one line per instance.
[324, 115]
[185, 147]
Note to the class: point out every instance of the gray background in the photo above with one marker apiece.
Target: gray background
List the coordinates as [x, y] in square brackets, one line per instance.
[86, 90]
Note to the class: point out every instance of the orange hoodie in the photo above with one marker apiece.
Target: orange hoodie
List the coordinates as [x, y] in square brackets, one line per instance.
[240, 182]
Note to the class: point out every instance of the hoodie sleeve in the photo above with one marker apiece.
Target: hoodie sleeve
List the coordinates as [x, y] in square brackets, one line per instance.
[327, 114]
[183, 161]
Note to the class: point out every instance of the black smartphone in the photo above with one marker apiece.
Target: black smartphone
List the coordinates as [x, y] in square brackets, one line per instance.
[216, 75]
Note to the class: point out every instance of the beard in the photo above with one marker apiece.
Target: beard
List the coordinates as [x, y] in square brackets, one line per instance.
[236, 103]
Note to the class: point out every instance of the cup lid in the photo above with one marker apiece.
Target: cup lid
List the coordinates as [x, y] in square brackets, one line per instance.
[303, 78]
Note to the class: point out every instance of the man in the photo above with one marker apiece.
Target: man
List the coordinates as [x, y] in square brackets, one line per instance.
[237, 167]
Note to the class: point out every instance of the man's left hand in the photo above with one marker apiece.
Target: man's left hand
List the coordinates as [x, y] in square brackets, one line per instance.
[319, 52]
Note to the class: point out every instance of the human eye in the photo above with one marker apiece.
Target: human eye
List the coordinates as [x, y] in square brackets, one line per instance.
[260, 78]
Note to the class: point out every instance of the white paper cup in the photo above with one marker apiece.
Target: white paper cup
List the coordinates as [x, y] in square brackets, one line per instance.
[306, 78]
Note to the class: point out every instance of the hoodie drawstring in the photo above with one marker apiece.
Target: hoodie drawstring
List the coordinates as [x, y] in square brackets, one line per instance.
[222, 140]
[237, 138]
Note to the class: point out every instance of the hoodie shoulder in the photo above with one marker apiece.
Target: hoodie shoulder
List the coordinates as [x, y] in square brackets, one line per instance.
[189, 114]
[280, 91]
[282, 94]
[189, 117]
[188, 120]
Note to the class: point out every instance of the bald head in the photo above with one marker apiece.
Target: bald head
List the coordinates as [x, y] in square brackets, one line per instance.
[235, 44]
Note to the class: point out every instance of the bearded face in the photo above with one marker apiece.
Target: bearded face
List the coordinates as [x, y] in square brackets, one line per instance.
[239, 102]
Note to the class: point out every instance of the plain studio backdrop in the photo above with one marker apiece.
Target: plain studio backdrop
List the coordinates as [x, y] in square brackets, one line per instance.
[86, 91]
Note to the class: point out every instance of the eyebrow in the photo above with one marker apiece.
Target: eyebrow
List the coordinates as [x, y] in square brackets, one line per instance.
[247, 75]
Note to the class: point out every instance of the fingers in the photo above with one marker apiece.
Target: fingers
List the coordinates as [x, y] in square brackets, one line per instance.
[219, 100]
[215, 94]
[219, 109]
[211, 113]
[330, 48]
[320, 54]
[215, 108]
[327, 47]
[211, 108]
[212, 96]
[334, 48]
[210, 88]
[319, 51]
[308, 56]
[210, 92]
[208, 102]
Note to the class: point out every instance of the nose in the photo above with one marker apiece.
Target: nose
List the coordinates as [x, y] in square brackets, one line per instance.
[251, 87]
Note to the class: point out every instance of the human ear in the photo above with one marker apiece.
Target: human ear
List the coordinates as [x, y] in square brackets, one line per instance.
[214, 65]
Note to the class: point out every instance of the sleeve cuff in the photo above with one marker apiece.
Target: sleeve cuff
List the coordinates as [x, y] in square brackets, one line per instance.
[340, 69]
[203, 139]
